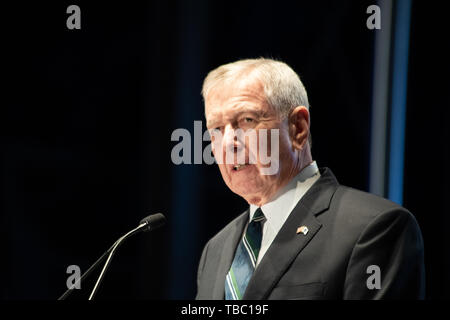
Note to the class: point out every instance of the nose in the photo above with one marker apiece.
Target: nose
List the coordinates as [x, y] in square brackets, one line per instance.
[228, 135]
[233, 147]
[230, 139]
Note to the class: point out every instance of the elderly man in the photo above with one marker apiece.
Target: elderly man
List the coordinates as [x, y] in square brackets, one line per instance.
[304, 236]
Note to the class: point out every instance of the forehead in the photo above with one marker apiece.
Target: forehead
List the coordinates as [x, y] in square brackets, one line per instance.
[235, 96]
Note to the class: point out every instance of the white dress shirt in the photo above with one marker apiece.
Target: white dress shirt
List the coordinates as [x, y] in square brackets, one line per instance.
[278, 210]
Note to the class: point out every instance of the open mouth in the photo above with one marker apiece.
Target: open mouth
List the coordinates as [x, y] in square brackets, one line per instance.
[239, 167]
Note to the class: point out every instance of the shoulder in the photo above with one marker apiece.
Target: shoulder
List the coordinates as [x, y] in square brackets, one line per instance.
[361, 210]
[353, 199]
[350, 208]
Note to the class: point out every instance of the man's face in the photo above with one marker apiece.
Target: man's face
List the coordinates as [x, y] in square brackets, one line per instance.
[242, 105]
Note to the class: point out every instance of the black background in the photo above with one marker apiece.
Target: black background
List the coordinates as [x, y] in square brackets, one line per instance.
[87, 117]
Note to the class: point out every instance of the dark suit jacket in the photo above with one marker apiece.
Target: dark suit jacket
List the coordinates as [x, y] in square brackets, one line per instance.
[349, 230]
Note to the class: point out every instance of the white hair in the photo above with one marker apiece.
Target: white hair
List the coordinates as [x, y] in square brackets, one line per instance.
[282, 86]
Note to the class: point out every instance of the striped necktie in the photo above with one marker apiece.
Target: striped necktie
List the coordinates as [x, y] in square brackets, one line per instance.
[245, 259]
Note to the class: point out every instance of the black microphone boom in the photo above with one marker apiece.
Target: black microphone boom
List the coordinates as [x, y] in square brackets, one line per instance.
[149, 223]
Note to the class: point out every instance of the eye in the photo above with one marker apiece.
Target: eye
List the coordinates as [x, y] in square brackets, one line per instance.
[216, 129]
[247, 122]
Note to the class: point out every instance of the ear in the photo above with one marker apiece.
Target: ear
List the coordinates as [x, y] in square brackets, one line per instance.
[299, 127]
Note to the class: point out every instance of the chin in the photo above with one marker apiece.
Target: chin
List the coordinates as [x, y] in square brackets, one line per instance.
[246, 191]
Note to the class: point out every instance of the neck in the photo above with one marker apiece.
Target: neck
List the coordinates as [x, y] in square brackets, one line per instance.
[303, 160]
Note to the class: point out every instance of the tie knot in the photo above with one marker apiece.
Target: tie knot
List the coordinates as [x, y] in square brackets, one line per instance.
[258, 216]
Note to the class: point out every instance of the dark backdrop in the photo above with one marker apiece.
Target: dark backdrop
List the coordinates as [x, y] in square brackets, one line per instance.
[87, 117]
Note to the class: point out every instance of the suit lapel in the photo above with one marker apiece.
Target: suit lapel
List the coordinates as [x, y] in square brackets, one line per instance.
[288, 244]
[229, 249]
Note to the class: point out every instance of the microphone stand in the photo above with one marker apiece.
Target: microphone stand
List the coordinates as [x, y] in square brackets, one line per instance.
[148, 223]
[111, 254]
[87, 273]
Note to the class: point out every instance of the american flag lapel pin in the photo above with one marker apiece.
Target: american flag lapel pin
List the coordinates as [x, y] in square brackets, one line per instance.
[302, 229]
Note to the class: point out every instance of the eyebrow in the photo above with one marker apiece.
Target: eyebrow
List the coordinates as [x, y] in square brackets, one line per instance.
[211, 123]
[259, 113]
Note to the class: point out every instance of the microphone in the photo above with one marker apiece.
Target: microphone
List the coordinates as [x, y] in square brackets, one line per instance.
[153, 222]
[149, 223]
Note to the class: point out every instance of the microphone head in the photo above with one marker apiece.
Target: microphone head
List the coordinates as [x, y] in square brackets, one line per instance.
[153, 221]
